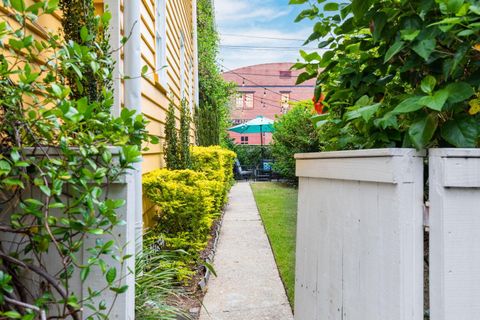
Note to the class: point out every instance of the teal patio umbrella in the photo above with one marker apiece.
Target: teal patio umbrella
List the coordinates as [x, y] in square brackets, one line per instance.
[258, 125]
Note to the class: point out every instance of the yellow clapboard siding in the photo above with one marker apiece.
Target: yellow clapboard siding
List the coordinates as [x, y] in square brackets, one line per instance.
[155, 98]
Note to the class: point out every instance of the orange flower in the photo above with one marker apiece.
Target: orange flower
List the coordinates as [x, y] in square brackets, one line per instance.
[318, 104]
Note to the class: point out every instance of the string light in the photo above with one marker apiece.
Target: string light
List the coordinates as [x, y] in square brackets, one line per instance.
[255, 83]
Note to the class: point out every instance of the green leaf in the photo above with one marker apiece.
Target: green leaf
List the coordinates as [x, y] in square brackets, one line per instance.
[454, 5]
[111, 275]
[84, 33]
[46, 190]
[435, 102]
[359, 8]
[5, 167]
[366, 112]
[13, 182]
[428, 84]
[331, 6]
[11, 315]
[56, 90]
[210, 268]
[408, 105]
[459, 91]
[119, 290]
[425, 48]
[379, 21]
[461, 132]
[96, 231]
[409, 34]
[394, 49]
[84, 273]
[34, 8]
[18, 5]
[304, 76]
[144, 70]
[422, 131]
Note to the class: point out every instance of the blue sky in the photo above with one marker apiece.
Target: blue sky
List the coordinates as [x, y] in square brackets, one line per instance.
[252, 20]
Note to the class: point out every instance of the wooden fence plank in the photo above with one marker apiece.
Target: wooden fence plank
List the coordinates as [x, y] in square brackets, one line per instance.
[360, 241]
[454, 234]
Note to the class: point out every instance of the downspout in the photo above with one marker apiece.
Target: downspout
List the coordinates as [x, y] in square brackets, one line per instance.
[195, 50]
[133, 93]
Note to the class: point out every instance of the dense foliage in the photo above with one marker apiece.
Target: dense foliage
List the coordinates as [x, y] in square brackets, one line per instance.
[212, 115]
[294, 133]
[60, 150]
[171, 147]
[396, 72]
[184, 136]
[81, 25]
[252, 155]
[188, 202]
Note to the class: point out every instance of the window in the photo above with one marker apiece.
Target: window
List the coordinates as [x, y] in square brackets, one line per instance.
[182, 64]
[285, 101]
[243, 140]
[244, 100]
[160, 42]
[285, 74]
[238, 121]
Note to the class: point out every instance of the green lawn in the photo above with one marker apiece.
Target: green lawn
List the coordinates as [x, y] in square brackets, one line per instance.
[277, 204]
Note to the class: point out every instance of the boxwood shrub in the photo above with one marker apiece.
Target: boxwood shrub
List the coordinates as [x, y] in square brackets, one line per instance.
[188, 202]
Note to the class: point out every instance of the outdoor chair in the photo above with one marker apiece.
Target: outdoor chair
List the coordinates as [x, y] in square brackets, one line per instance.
[264, 172]
[241, 172]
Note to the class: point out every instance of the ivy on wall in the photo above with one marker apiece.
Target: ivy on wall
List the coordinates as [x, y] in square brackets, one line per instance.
[212, 114]
[83, 27]
[177, 142]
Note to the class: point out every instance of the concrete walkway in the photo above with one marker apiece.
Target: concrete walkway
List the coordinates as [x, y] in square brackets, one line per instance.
[248, 286]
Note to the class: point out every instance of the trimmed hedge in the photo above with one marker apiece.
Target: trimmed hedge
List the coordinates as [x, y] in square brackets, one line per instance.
[189, 201]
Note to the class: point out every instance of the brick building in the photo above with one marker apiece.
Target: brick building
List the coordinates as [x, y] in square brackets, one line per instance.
[264, 90]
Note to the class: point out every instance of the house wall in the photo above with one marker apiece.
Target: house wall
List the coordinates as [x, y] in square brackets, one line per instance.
[175, 83]
[267, 86]
[158, 88]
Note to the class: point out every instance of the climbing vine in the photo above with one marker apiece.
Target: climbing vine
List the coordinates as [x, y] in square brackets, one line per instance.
[185, 121]
[82, 26]
[171, 147]
[60, 152]
[212, 114]
[177, 142]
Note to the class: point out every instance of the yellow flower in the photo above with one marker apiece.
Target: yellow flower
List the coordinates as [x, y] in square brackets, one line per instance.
[474, 106]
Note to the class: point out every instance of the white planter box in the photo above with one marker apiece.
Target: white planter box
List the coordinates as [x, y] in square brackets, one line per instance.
[360, 236]
[124, 236]
[454, 234]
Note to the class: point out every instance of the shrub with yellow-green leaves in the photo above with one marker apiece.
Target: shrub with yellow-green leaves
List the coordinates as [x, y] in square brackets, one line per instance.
[185, 200]
[188, 202]
[217, 163]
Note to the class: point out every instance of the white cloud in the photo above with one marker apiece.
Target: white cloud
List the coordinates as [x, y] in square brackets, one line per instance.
[231, 11]
[262, 23]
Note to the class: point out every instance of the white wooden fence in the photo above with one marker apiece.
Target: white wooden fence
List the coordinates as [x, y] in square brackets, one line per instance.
[454, 234]
[359, 238]
[360, 235]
